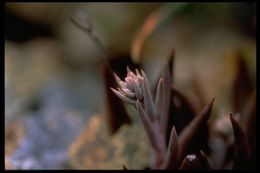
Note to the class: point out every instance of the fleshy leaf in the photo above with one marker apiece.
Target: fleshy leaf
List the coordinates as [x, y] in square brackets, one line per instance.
[191, 131]
[248, 118]
[166, 94]
[241, 146]
[118, 80]
[148, 100]
[248, 122]
[158, 102]
[147, 124]
[146, 80]
[123, 97]
[172, 153]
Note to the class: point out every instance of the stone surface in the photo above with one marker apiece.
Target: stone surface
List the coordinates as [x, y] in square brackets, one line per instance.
[95, 149]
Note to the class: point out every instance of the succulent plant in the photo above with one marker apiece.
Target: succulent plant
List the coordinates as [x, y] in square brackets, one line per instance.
[179, 133]
[132, 89]
[182, 147]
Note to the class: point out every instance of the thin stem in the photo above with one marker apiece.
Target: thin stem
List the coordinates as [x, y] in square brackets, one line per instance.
[82, 21]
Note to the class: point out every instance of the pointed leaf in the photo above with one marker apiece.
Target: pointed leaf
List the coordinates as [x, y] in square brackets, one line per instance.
[118, 80]
[166, 97]
[241, 146]
[158, 101]
[123, 97]
[192, 130]
[147, 125]
[148, 100]
[172, 153]
[138, 91]
[128, 92]
[138, 73]
[146, 80]
[128, 70]
[248, 118]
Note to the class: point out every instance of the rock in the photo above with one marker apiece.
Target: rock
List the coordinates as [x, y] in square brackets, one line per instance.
[95, 149]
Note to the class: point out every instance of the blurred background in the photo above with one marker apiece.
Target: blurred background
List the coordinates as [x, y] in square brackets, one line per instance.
[54, 91]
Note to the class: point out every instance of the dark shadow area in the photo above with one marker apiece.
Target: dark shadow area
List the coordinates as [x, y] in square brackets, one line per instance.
[20, 30]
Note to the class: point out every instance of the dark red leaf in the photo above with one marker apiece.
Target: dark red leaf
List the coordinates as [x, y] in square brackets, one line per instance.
[167, 77]
[190, 133]
[248, 118]
[172, 153]
[241, 146]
